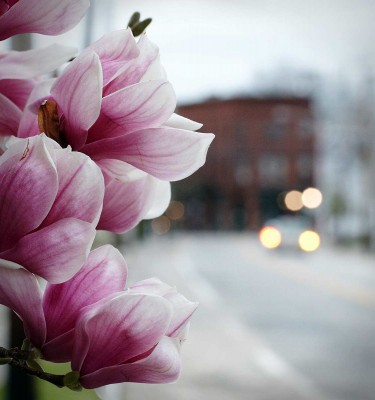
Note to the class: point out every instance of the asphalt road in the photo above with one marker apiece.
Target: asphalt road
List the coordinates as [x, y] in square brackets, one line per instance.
[271, 325]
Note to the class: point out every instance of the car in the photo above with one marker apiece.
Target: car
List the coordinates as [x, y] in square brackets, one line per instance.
[289, 231]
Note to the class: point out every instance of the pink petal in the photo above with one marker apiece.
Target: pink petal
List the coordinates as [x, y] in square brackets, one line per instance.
[134, 70]
[17, 90]
[180, 122]
[124, 203]
[56, 252]
[151, 286]
[160, 198]
[183, 309]
[50, 17]
[129, 196]
[166, 153]
[163, 365]
[28, 187]
[33, 63]
[29, 122]
[155, 70]
[10, 117]
[81, 188]
[145, 105]
[114, 50]
[78, 93]
[60, 349]
[103, 273]
[126, 326]
[19, 290]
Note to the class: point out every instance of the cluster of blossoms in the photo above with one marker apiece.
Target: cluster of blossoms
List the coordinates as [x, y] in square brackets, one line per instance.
[95, 148]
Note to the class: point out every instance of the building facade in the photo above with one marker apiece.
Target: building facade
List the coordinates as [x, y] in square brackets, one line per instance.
[263, 147]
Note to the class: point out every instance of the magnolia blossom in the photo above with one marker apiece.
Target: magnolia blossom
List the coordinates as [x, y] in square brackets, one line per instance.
[110, 335]
[18, 72]
[49, 318]
[155, 327]
[50, 202]
[50, 17]
[131, 328]
[114, 104]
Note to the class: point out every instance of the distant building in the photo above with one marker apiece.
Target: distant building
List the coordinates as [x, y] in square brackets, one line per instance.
[263, 147]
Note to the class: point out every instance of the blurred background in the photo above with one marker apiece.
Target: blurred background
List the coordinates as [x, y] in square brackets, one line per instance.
[275, 235]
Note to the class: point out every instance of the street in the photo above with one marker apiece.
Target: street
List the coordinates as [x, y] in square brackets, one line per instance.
[270, 325]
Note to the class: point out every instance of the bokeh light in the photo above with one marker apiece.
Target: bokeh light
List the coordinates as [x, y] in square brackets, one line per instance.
[175, 210]
[312, 197]
[309, 241]
[270, 237]
[293, 200]
[161, 225]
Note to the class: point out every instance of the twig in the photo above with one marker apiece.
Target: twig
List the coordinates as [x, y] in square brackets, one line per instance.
[57, 380]
[18, 358]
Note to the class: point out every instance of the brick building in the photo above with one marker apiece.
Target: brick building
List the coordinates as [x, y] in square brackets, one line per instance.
[263, 146]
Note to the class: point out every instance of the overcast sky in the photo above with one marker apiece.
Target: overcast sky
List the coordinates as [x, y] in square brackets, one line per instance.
[220, 47]
[217, 47]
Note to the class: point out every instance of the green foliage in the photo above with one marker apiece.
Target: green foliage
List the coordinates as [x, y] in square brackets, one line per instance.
[2, 392]
[47, 391]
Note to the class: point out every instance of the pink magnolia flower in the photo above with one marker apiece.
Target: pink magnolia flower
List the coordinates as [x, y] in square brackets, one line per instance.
[18, 73]
[115, 105]
[50, 202]
[110, 335]
[155, 327]
[122, 339]
[49, 17]
[49, 318]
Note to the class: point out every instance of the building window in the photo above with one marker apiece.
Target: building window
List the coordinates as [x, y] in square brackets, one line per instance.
[276, 127]
[274, 130]
[273, 168]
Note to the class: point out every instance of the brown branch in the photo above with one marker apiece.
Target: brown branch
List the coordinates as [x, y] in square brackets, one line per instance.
[18, 359]
[15, 353]
[57, 380]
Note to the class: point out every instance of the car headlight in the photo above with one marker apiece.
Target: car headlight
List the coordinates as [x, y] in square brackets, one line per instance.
[309, 241]
[270, 237]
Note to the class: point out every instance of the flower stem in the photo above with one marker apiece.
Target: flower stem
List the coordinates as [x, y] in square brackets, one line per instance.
[14, 353]
[18, 359]
[57, 380]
